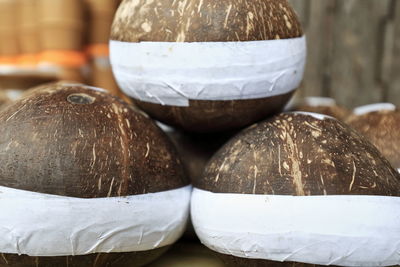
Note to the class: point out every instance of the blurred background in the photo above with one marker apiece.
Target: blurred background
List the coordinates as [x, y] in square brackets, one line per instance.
[48, 40]
[353, 46]
[353, 50]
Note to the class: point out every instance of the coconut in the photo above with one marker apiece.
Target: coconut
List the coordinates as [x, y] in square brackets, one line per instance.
[74, 143]
[323, 105]
[379, 123]
[208, 65]
[295, 159]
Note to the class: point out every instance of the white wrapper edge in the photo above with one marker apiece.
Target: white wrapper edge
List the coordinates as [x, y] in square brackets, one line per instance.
[362, 110]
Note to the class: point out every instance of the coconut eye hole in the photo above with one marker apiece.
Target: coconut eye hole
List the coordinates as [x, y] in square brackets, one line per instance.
[80, 99]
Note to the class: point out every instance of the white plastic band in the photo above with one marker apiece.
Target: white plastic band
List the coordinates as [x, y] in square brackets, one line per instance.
[173, 73]
[14, 95]
[7, 69]
[47, 225]
[373, 108]
[327, 230]
[317, 116]
[165, 128]
[315, 101]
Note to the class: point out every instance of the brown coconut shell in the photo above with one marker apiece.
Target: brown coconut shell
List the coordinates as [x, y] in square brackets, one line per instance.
[323, 106]
[208, 21]
[298, 154]
[73, 141]
[381, 128]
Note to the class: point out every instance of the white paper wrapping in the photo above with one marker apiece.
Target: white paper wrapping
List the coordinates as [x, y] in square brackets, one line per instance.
[47, 225]
[373, 108]
[327, 230]
[170, 73]
[317, 116]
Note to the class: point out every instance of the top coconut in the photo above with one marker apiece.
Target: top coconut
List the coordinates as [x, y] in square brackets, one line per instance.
[207, 65]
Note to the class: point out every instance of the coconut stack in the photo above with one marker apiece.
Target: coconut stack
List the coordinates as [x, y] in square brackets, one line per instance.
[86, 181]
[300, 189]
[323, 105]
[208, 65]
[380, 124]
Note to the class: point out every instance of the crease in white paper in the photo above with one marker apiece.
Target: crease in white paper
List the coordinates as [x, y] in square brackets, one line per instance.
[170, 73]
[48, 225]
[327, 230]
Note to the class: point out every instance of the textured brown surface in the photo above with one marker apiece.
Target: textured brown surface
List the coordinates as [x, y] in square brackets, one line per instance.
[208, 21]
[381, 128]
[188, 254]
[240, 262]
[232, 261]
[74, 141]
[132, 259]
[99, 149]
[204, 20]
[214, 116]
[296, 154]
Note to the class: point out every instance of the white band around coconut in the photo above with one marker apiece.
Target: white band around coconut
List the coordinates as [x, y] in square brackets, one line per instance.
[373, 108]
[47, 225]
[327, 230]
[173, 73]
[315, 101]
[317, 116]
[13, 94]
